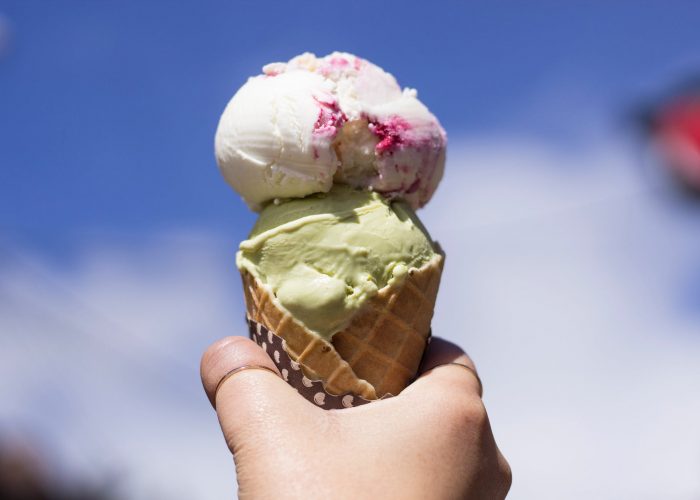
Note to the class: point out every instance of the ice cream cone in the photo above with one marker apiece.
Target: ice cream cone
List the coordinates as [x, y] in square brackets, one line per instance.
[378, 353]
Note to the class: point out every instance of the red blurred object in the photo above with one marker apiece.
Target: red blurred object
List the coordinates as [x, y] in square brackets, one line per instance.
[675, 127]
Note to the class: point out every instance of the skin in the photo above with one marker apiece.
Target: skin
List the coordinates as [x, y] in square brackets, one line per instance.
[433, 441]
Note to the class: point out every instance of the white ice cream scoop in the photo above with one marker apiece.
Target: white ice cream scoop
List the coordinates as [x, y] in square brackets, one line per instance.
[310, 122]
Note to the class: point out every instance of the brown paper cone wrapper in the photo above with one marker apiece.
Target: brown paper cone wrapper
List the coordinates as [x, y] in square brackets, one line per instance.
[292, 372]
[376, 356]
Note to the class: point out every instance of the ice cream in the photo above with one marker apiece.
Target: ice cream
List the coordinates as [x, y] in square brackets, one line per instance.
[306, 124]
[338, 271]
[325, 255]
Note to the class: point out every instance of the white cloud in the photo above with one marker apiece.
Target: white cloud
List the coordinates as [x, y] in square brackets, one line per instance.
[567, 267]
[102, 361]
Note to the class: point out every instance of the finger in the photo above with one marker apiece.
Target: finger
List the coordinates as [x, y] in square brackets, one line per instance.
[228, 354]
[250, 398]
[441, 352]
[440, 371]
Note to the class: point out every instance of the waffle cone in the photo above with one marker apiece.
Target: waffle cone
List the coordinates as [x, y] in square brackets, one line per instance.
[378, 353]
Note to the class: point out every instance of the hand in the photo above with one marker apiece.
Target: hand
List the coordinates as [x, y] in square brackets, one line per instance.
[434, 440]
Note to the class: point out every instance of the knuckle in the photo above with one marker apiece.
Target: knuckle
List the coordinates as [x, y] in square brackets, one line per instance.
[459, 380]
[471, 411]
[506, 473]
[467, 414]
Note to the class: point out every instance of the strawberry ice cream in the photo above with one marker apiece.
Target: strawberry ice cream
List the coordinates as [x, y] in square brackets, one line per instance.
[306, 124]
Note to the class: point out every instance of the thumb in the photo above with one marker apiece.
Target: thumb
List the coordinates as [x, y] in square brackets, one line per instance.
[251, 399]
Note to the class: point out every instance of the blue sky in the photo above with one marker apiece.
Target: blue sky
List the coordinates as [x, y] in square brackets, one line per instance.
[108, 108]
[571, 262]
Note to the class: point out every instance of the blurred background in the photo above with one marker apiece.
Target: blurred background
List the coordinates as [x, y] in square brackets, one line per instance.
[569, 214]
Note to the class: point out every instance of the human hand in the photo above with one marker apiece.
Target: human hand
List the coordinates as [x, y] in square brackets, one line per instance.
[433, 440]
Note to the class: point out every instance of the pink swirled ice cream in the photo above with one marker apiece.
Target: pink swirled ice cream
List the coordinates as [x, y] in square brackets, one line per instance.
[311, 122]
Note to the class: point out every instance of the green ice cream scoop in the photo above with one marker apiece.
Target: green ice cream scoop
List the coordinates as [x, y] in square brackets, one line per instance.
[325, 255]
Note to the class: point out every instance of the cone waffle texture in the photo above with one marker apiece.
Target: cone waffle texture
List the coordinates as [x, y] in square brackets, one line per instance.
[378, 353]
